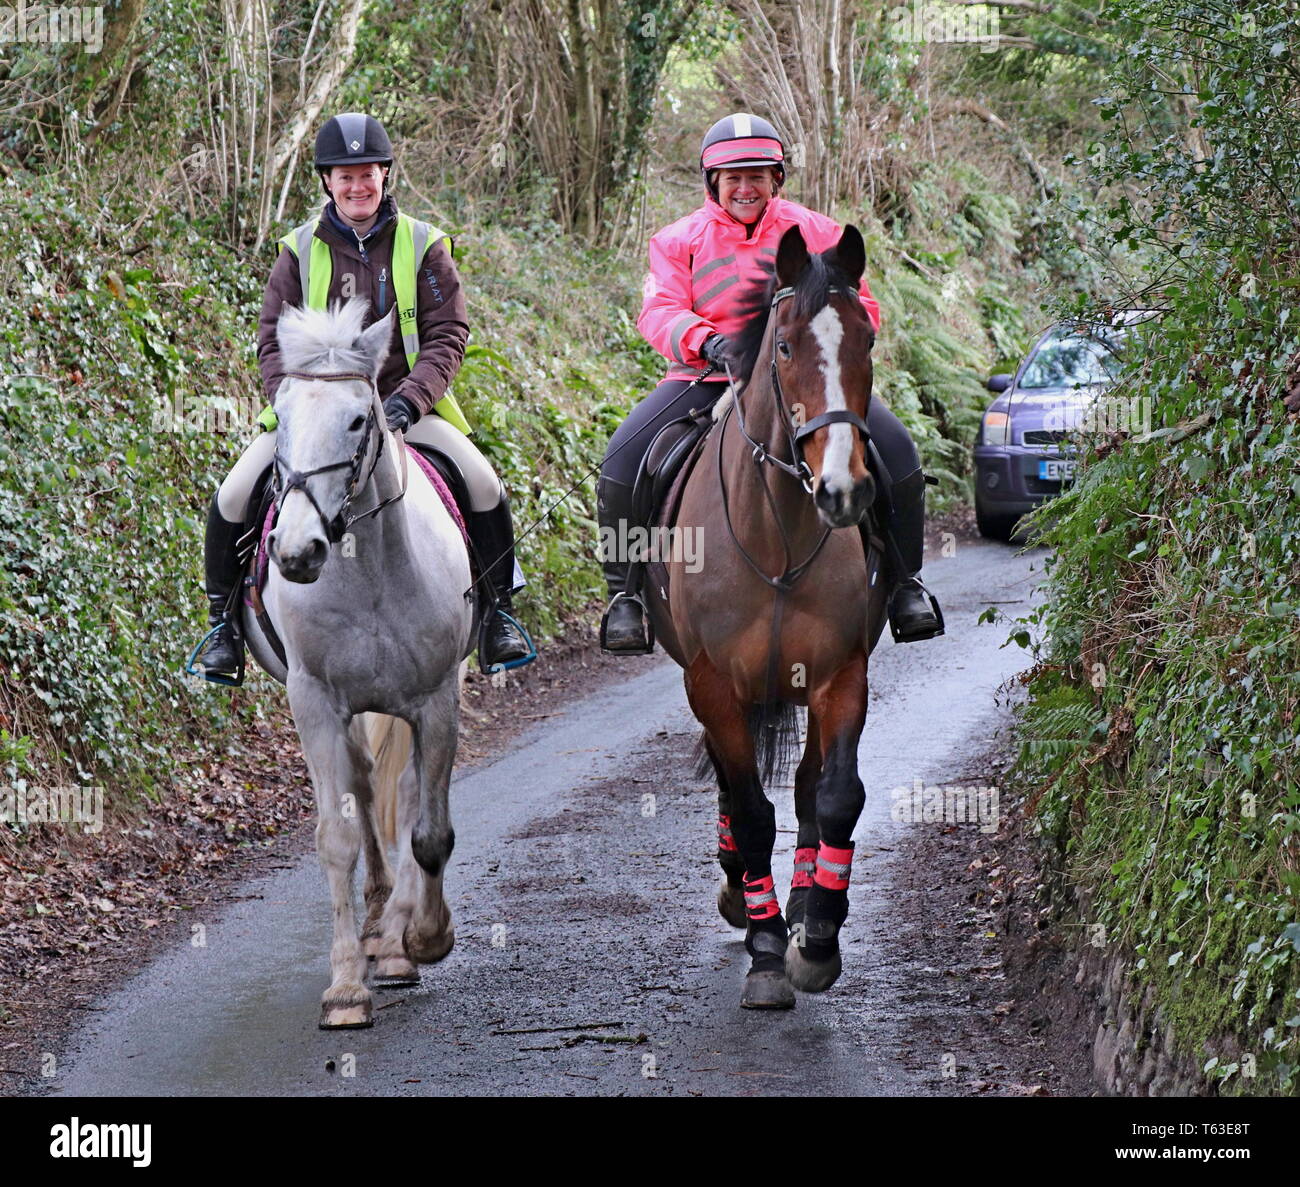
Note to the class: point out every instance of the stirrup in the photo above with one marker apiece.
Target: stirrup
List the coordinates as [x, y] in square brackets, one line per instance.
[648, 632]
[938, 616]
[213, 677]
[492, 669]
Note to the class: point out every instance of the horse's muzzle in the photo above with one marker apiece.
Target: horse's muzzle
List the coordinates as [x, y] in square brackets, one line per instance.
[301, 567]
[844, 506]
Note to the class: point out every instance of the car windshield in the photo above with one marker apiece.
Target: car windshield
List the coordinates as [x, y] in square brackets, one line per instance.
[1072, 360]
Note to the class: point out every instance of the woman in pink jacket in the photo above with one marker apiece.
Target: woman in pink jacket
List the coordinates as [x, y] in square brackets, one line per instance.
[698, 266]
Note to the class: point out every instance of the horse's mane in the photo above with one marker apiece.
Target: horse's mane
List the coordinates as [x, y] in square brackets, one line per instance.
[755, 305]
[324, 341]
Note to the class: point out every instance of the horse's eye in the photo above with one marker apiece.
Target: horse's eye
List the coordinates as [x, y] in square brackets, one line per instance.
[783, 347]
[356, 424]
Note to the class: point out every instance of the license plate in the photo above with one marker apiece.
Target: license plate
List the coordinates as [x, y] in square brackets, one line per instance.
[1053, 470]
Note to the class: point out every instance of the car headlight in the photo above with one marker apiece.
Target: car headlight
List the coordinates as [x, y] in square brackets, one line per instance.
[997, 426]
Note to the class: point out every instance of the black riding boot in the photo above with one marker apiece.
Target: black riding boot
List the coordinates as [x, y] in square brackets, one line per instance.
[222, 659]
[914, 612]
[501, 642]
[623, 627]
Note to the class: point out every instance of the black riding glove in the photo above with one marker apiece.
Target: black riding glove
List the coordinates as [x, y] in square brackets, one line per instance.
[400, 412]
[715, 351]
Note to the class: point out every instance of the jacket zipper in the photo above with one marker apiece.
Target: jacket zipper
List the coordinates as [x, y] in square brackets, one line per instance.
[383, 280]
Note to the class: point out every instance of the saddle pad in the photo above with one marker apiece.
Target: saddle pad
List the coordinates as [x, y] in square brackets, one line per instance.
[444, 491]
[262, 559]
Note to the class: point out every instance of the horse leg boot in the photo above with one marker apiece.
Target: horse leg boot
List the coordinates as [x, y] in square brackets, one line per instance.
[731, 890]
[806, 777]
[914, 612]
[623, 628]
[753, 824]
[501, 641]
[812, 960]
[222, 659]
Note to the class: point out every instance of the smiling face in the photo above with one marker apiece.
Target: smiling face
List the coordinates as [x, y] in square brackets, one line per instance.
[745, 193]
[357, 190]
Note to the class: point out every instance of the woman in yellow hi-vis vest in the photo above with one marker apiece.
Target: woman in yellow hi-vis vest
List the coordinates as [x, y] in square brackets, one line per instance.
[360, 245]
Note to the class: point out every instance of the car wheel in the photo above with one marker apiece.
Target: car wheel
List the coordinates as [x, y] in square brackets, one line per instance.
[993, 525]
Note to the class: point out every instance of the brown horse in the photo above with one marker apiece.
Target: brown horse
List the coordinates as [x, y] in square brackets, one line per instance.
[785, 606]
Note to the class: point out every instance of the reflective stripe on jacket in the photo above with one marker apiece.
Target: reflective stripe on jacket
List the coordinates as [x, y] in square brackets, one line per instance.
[401, 262]
[700, 264]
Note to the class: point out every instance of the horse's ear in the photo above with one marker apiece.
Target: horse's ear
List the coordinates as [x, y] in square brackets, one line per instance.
[851, 253]
[374, 342]
[791, 257]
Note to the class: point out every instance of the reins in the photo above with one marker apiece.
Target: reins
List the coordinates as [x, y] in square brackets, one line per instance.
[797, 469]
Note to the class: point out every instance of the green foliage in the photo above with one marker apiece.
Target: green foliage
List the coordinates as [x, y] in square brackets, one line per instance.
[1172, 620]
[947, 314]
[129, 387]
[101, 478]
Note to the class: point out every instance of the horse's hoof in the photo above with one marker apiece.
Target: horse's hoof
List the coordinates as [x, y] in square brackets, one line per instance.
[767, 991]
[354, 1015]
[811, 976]
[395, 972]
[428, 949]
[731, 903]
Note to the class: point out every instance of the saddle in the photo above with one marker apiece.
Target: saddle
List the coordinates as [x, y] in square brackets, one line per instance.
[657, 491]
[441, 471]
[668, 465]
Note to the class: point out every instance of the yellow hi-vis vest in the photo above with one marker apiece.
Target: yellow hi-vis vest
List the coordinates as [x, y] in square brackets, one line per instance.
[410, 242]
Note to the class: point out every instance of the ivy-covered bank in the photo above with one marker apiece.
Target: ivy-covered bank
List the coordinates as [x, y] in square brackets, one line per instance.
[1162, 732]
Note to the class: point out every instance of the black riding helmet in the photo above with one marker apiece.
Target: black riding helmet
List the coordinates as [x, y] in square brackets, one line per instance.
[737, 141]
[351, 139]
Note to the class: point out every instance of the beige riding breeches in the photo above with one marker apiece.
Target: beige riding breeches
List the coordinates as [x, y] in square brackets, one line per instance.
[484, 486]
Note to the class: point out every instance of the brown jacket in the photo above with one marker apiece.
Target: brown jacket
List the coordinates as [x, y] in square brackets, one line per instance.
[440, 308]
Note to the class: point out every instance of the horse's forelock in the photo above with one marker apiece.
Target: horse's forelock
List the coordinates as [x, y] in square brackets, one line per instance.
[811, 292]
[323, 341]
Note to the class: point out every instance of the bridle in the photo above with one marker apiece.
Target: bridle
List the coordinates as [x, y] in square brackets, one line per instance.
[797, 469]
[287, 480]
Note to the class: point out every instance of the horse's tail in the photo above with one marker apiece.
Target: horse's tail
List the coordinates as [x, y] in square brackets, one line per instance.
[390, 741]
[774, 730]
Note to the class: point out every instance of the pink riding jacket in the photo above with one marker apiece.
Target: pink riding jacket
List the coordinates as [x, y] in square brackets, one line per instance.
[700, 264]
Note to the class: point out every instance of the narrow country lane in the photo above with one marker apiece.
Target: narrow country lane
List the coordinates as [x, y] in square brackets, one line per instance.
[582, 887]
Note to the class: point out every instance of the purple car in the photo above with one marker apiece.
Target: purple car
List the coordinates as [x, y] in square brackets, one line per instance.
[1023, 454]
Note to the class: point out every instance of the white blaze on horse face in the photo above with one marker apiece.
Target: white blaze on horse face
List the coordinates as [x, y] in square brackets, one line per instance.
[829, 333]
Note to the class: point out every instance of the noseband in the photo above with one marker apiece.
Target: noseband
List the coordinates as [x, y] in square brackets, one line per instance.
[287, 480]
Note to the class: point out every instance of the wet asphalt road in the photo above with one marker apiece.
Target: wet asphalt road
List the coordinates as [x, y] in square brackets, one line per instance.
[582, 889]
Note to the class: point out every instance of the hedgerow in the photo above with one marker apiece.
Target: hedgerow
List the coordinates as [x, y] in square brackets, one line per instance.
[1161, 730]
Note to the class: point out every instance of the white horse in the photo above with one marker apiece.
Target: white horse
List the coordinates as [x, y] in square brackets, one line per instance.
[367, 594]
